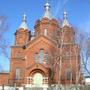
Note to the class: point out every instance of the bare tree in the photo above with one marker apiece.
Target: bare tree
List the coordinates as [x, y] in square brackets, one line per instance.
[84, 45]
[86, 56]
[4, 45]
[83, 39]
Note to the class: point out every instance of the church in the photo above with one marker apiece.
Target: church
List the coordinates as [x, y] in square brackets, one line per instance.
[46, 56]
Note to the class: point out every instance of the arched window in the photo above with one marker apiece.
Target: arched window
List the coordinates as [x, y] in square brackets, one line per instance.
[67, 54]
[45, 32]
[37, 80]
[18, 73]
[68, 74]
[41, 55]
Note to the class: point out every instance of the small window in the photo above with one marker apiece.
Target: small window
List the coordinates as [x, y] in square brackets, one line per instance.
[18, 73]
[68, 54]
[68, 74]
[41, 55]
[45, 32]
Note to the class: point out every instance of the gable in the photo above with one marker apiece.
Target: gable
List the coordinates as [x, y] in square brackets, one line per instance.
[41, 39]
[35, 46]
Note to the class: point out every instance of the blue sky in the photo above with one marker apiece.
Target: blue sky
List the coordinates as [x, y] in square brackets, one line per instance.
[78, 15]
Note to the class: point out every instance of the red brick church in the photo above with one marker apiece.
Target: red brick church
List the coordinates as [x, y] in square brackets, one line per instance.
[46, 56]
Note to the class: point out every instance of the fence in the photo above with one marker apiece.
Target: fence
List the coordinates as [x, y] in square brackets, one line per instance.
[84, 87]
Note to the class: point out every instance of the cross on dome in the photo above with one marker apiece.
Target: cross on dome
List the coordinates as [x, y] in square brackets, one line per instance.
[24, 18]
[65, 15]
[47, 5]
[65, 21]
[47, 10]
[24, 23]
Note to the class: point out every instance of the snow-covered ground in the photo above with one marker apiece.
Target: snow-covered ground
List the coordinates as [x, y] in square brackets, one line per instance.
[87, 80]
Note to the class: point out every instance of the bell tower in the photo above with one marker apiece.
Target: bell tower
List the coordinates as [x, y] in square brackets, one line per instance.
[67, 30]
[47, 26]
[22, 35]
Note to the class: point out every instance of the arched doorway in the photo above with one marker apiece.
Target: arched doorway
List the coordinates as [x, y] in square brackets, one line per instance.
[37, 79]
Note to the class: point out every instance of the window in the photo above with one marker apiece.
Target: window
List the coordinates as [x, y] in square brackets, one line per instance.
[36, 56]
[41, 55]
[38, 80]
[68, 74]
[66, 55]
[45, 32]
[46, 57]
[18, 73]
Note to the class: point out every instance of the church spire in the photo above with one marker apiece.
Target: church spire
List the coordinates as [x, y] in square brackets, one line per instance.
[24, 23]
[47, 10]
[65, 21]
